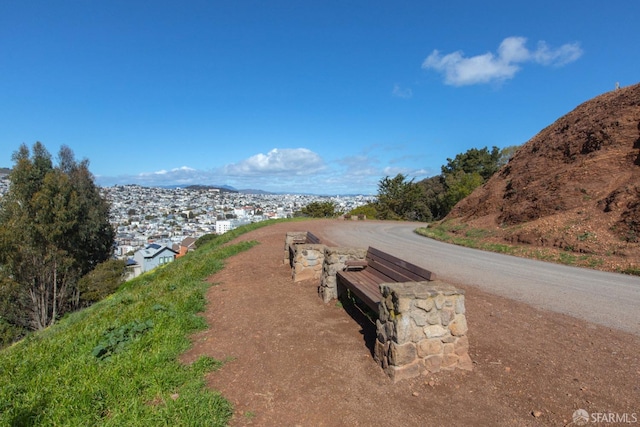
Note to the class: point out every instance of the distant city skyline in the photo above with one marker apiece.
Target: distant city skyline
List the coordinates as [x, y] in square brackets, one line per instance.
[301, 97]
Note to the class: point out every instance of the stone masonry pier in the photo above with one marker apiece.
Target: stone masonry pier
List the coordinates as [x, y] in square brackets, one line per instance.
[422, 328]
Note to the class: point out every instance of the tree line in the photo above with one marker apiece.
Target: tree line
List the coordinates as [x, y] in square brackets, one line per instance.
[399, 198]
[433, 198]
[55, 242]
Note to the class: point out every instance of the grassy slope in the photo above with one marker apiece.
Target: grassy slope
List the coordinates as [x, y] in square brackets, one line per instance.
[461, 234]
[116, 363]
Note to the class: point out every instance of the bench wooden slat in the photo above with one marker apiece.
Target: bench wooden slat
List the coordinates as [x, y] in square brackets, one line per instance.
[366, 286]
[389, 273]
[312, 238]
[363, 278]
[419, 272]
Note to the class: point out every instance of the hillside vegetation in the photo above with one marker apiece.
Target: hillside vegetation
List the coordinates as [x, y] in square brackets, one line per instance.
[115, 363]
[574, 187]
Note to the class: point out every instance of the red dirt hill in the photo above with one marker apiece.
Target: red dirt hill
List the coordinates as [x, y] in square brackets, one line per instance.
[575, 185]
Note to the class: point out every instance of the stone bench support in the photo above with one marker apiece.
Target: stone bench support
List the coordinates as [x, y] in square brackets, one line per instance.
[422, 328]
[289, 240]
[334, 259]
[305, 259]
[308, 261]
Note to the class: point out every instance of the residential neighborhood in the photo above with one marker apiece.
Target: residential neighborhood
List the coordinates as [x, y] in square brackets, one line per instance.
[156, 225]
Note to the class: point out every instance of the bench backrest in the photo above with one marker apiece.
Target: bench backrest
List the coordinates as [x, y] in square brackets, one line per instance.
[396, 269]
[312, 238]
[307, 238]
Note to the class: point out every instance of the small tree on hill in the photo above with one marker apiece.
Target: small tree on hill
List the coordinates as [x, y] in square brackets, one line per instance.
[400, 199]
[480, 161]
[320, 210]
[368, 210]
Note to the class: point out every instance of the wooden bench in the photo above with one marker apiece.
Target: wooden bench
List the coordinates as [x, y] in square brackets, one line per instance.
[364, 277]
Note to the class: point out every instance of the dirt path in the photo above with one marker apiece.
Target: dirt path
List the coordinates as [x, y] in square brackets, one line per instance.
[294, 361]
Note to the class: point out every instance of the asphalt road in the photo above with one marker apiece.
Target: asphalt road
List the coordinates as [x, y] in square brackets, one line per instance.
[607, 299]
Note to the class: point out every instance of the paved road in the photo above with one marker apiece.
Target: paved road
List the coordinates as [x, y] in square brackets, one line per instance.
[608, 299]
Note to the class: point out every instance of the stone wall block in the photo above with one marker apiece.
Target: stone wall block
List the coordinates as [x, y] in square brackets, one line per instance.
[402, 354]
[449, 361]
[439, 301]
[447, 339]
[447, 314]
[464, 362]
[429, 347]
[383, 312]
[417, 334]
[331, 257]
[403, 328]
[435, 331]
[458, 326]
[399, 373]
[425, 304]
[402, 305]
[390, 331]
[460, 305]
[433, 363]
[380, 353]
[461, 345]
[419, 317]
[433, 318]
[448, 348]
[381, 332]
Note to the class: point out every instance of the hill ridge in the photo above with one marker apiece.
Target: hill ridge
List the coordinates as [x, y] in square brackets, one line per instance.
[580, 174]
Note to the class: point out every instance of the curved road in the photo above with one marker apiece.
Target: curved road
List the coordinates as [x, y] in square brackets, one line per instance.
[608, 299]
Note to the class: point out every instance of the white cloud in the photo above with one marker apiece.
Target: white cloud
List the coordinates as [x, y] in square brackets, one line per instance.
[410, 173]
[290, 170]
[401, 93]
[563, 55]
[173, 172]
[291, 161]
[459, 70]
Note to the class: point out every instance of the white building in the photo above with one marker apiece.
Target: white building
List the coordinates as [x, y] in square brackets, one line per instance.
[223, 226]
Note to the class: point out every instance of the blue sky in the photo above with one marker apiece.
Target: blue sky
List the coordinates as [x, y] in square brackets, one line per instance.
[324, 97]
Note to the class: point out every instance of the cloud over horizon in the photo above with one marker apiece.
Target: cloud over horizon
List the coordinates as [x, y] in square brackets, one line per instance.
[459, 70]
[291, 161]
[298, 170]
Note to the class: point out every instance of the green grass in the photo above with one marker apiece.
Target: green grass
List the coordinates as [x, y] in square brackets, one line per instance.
[463, 235]
[116, 363]
[631, 270]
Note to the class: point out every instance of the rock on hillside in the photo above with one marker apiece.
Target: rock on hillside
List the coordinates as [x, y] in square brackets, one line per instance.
[574, 185]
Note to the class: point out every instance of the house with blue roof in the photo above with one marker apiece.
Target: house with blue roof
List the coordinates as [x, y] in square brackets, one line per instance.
[152, 256]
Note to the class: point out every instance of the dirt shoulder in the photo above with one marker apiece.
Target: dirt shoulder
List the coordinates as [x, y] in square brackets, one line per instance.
[294, 361]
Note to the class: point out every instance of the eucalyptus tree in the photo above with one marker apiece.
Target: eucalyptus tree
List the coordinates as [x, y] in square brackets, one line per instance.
[54, 228]
[399, 199]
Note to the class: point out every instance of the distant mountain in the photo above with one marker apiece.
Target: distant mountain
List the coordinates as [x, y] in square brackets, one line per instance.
[250, 191]
[222, 189]
[230, 189]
